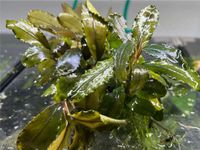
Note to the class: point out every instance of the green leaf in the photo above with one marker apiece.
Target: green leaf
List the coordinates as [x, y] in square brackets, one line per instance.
[69, 62]
[164, 52]
[46, 70]
[95, 34]
[91, 8]
[68, 9]
[63, 86]
[144, 25]
[66, 139]
[152, 89]
[49, 91]
[151, 107]
[27, 33]
[139, 76]
[92, 119]
[42, 130]
[44, 20]
[92, 79]
[113, 102]
[118, 24]
[34, 55]
[60, 142]
[122, 60]
[186, 76]
[113, 41]
[71, 22]
[157, 77]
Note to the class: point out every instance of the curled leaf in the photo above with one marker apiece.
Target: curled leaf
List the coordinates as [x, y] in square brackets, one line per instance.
[92, 119]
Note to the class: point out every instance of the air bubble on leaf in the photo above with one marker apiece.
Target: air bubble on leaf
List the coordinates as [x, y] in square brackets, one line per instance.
[58, 128]
[59, 108]
[192, 113]
[16, 127]
[24, 118]
[148, 135]
[3, 96]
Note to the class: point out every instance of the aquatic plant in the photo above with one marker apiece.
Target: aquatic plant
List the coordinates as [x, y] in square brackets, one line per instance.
[101, 77]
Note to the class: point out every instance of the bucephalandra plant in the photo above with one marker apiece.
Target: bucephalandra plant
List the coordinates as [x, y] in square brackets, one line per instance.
[100, 77]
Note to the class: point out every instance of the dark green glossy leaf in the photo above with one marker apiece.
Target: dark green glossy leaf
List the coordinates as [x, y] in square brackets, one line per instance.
[139, 76]
[152, 89]
[27, 33]
[46, 70]
[63, 86]
[118, 24]
[42, 130]
[186, 76]
[93, 119]
[69, 62]
[144, 25]
[35, 55]
[71, 22]
[151, 107]
[92, 79]
[122, 60]
[157, 77]
[163, 52]
[112, 103]
[95, 34]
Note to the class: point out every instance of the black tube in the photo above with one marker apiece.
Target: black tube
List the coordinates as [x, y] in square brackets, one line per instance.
[11, 75]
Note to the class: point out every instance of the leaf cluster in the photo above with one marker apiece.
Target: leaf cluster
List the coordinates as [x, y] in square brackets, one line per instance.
[98, 74]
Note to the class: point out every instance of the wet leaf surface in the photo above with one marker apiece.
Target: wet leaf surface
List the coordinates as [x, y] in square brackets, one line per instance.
[27, 33]
[42, 130]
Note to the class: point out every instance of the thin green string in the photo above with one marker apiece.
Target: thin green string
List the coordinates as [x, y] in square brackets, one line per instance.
[125, 14]
[75, 4]
[126, 7]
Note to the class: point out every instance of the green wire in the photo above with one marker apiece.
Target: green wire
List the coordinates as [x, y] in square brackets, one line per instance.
[75, 4]
[125, 14]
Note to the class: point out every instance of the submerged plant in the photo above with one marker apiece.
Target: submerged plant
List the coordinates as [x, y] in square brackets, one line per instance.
[101, 77]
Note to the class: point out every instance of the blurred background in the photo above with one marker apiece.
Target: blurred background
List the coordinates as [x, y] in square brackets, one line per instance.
[20, 100]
